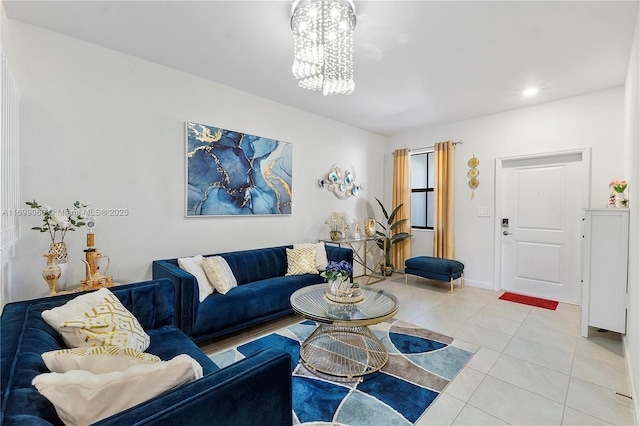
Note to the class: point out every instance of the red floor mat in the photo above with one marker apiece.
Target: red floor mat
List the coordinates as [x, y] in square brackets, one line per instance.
[528, 300]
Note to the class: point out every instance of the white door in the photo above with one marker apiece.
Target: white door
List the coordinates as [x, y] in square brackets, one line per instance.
[542, 199]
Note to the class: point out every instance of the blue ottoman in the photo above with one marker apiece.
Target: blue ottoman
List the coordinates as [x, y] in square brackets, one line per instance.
[435, 269]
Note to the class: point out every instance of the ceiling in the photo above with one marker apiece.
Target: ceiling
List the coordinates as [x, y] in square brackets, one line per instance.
[417, 63]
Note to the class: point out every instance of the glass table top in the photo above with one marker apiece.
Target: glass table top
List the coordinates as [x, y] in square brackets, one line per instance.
[378, 305]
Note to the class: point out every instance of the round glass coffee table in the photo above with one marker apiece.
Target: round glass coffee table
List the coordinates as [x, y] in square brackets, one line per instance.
[343, 345]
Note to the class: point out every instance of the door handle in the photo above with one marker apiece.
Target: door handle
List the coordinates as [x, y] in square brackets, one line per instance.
[506, 233]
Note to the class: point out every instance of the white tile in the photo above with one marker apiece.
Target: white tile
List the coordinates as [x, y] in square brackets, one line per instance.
[482, 336]
[483, 360]
[442, 412]
[515, 405]
[602, 349]
[502, 325]
[464, 384]
[601, 373]
[472, 416]
[551, 338]
[555, 324]
[574, 417]
[542, 381]
[442, 324]
[508, 310]
[544, 356]
[599, 402]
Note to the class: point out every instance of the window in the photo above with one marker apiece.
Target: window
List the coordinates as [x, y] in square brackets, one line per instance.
[422, 183]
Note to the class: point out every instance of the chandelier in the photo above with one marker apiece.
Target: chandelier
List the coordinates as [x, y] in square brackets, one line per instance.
[323, 45]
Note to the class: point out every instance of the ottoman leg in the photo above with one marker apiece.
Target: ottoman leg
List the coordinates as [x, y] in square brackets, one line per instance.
[406, 278]
[451, 282]
[462, 279]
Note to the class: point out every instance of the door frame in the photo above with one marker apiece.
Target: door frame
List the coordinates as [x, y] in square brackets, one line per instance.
[585, 172]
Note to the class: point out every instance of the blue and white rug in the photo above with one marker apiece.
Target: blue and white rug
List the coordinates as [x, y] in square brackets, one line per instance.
[421, 364]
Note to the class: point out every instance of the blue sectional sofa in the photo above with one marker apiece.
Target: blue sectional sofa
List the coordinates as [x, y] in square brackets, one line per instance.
[262, 294]
[256, 390]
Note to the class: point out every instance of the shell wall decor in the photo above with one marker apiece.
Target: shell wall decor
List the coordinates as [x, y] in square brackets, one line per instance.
[341, 182]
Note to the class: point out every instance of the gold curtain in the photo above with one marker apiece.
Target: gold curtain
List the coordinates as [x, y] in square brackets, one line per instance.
[401, 195]
[443, 243]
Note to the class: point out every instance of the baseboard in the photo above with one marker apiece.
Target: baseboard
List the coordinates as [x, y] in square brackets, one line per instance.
[479, 284]
[634, 394]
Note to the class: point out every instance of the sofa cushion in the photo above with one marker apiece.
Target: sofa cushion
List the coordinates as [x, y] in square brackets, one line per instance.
[98, 360]
[193, 265]
[82, 397]
[249, 266]
[321, 253]
[219, 273]
[220, 314]
[97, 319]
[301, 261]
[168, 341]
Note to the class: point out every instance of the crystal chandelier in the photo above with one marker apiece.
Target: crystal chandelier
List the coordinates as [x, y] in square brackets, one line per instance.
[323, 44]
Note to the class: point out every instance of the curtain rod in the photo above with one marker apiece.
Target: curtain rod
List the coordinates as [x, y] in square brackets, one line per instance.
[460, 142]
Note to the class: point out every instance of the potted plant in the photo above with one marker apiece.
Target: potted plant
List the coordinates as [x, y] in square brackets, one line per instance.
[387, 239]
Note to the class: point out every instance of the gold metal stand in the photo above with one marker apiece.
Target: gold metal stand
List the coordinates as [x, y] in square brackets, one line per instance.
[362, 249]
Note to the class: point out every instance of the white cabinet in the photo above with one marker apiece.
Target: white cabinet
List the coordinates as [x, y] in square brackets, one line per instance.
[605, 253]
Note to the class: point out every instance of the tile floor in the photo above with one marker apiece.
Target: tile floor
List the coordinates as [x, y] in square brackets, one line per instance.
[533, 367]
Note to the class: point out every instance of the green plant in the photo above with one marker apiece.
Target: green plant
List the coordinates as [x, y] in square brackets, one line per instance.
[387, 238]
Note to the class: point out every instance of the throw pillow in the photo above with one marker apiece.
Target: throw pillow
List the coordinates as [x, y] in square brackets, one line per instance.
[81, 397]
[219, 273]
[98, 360]
[97, 319]
[301, 261]
[193, 265]
[321, 253]
[106, 324]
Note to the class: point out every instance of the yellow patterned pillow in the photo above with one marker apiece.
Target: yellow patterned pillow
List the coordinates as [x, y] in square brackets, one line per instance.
[98, 360]
[219, 273]
[301, 261]
[106, 324]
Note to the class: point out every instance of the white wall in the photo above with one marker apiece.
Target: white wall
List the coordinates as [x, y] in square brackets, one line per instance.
[632, 156]
[594, 120]
[108, 129]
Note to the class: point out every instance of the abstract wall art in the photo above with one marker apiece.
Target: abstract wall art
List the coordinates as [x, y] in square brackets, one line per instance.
[235, 173]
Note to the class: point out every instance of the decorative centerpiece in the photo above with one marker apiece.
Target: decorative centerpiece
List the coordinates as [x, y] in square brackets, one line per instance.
[59, 220]
[338, 225]
[617, 197]
[340, 289]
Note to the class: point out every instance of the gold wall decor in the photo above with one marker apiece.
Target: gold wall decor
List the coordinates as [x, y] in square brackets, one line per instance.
[473, 174]
[342, 182]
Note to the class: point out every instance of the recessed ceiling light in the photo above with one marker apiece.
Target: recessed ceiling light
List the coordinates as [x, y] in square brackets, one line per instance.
[530, 91]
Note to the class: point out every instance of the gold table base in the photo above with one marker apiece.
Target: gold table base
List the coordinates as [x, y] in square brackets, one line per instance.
[343, 351]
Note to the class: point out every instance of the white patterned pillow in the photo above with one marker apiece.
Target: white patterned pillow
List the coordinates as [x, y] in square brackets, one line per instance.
[219, 273]
[301, 261]
[321, 253]
[193, 265]
[108, 323]
[98, 360]
[97, 319]
[82, 398]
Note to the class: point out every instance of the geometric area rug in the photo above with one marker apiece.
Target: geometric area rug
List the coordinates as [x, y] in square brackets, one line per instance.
[421, 364]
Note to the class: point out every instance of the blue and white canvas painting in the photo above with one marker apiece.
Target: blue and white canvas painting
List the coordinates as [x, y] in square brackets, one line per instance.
[234, 173]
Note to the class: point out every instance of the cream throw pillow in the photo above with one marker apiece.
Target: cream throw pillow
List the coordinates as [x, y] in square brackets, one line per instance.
[321, 253]
[98, 360]
[219, 273]
[97, 319]
[106, 324]
[193, 265]
[81, 397]
[301, 261]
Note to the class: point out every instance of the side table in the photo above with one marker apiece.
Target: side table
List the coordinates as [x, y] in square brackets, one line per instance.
[362, 249]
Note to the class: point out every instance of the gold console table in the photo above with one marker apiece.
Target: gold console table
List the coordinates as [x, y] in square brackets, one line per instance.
[362, 248]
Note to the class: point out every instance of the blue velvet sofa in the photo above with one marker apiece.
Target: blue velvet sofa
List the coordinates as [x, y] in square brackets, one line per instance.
[262, 294]
[256, 390]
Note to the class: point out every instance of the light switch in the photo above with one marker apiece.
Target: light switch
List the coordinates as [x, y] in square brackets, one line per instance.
[484, 212]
